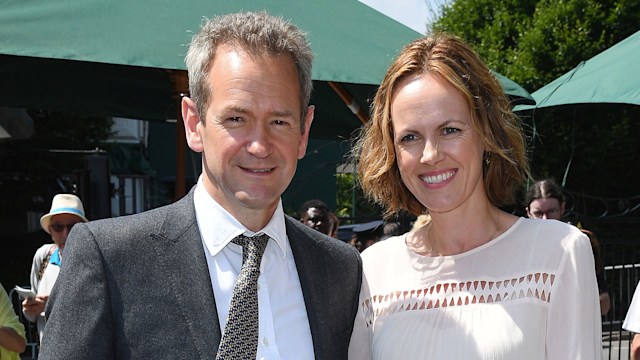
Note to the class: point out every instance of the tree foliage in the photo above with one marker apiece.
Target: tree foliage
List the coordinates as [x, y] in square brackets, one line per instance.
[351, 202]
[533, 42]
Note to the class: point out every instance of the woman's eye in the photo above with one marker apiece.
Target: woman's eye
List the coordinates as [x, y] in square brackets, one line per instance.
[408, 138]
[450, 130]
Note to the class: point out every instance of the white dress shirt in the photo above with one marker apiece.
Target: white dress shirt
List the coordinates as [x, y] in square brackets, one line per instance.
[44, 288]
[284, 331]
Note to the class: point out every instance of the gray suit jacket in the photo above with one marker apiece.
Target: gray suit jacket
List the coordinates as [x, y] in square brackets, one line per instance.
[138, 287]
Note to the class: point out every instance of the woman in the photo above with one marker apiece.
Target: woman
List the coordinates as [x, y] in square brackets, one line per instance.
[476, 282]
[545, 200]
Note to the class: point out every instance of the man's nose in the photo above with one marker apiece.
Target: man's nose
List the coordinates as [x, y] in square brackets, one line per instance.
[260, 145]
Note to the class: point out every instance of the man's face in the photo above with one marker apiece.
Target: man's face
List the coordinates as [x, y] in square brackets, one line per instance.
[252, 137]
[317, 218]
[59, 228]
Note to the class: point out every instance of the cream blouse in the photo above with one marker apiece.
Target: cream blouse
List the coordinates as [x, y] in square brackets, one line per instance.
[530, 293]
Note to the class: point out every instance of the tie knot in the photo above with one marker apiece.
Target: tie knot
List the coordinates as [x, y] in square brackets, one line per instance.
[252, 247]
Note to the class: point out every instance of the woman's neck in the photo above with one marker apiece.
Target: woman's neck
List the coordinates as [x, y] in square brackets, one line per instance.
[450, 233]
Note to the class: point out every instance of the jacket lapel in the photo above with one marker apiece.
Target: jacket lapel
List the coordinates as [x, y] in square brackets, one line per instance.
[311, 271]
[179, 248]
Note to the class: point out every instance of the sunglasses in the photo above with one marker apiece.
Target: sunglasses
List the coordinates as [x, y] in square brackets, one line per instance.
[60, 228]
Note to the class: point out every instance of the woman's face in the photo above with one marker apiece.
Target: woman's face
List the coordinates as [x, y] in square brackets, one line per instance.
[439, 152]
[549, 208]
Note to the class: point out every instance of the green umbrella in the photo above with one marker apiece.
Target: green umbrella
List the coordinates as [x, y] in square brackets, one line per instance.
[517, 94]
[125, 58]
[613, 76]
[112, 57]
[155, 33]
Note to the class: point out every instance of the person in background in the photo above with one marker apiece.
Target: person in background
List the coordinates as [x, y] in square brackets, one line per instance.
[476, 282]
[12, 339]
[632, 324]
[390, 228]
[355, 242]
[222, 273]
[316, 215]
[66, 211]
[545, 200]
[335, 225]
[367, 234]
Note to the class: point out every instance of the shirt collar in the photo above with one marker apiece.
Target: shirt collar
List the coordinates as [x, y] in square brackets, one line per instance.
[55, 257]
[218, 233]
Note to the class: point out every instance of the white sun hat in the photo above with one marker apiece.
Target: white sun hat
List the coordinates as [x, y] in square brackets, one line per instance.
[63, 204]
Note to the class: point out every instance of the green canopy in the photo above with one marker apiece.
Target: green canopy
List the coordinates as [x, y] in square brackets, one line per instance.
[517, 94]
[613, 76]
[122, 57]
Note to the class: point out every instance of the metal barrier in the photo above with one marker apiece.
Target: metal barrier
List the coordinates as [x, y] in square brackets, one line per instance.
[622, 281]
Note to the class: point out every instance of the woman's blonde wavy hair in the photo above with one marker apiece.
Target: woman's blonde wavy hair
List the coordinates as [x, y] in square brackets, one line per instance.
[499, 128]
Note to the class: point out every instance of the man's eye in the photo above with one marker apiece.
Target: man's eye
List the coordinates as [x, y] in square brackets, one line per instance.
[280, 122]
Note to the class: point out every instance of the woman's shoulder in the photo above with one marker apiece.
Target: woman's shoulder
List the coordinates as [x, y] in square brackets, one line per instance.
[385, 248]
[552, 227]
[552, 232]
[383, 261]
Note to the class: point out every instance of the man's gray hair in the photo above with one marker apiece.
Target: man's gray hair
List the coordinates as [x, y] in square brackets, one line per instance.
[256, 32]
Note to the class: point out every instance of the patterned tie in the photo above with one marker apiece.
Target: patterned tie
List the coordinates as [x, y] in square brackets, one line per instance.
[240, 337]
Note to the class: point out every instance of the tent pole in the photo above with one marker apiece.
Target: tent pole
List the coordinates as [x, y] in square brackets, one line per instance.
[181, 88]
[350, 101]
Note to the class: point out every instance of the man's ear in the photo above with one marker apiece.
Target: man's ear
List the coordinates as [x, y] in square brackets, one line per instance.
[304, 140]
[191, 124]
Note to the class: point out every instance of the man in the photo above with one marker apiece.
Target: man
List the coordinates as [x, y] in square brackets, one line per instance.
[159, 285]
[66, 211]
[316, 215]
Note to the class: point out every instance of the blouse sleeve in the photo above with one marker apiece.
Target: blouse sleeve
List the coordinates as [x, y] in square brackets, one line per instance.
[574, 329]
[360, 344]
